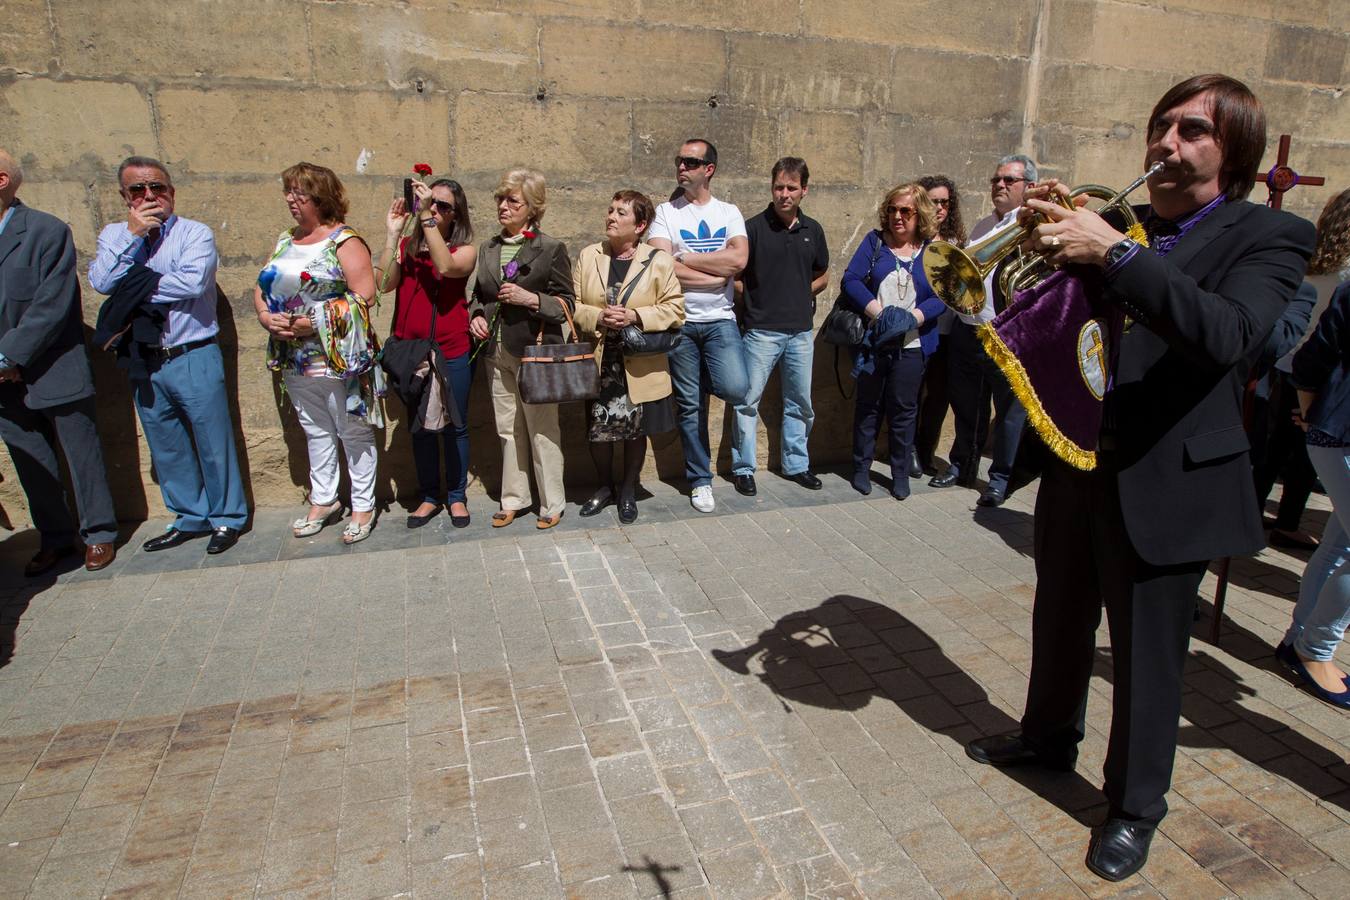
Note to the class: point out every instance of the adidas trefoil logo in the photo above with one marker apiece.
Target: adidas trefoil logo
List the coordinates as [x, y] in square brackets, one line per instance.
[705, 241]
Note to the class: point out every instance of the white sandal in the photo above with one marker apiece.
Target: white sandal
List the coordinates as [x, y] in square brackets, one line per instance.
[355, 534]
[306, 527]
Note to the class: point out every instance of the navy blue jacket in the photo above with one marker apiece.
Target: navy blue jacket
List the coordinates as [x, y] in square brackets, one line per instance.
[859, 286]
[1322, 365]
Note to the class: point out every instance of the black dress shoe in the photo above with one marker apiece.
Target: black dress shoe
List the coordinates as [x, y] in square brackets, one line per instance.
[946, 479]
[459, 521]
[627, 510]
[1119, 849]
[43, 560]
[991, 497]
[745, 485]
[416, 521]
[1012, 750]
[928, 468]
[222, 539]
[171, 538]
[806, 480]
[599, 500]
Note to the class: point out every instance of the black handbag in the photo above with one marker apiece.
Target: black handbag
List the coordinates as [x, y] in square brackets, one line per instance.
[845, 326]
[637, 342]
[557, 373]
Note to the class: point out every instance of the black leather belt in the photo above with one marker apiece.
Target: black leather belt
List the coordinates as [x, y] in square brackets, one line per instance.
[169, 353]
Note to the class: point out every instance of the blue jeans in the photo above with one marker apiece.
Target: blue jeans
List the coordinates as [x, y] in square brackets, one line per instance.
[710, 360]
[763, 350]
[1323, 608]
[185, 412]
[427, 444]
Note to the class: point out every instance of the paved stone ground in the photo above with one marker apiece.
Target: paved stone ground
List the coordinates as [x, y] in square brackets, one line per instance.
[770, 701]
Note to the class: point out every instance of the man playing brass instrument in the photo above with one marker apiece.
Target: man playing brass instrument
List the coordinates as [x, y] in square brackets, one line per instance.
[1172, 488]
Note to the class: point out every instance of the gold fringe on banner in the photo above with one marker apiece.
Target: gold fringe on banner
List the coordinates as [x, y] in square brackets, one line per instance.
[1049, 432]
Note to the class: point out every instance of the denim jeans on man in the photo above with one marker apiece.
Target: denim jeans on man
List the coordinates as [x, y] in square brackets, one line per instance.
[1323, 608]
[763, 351]
[709, 360]
[185, 414]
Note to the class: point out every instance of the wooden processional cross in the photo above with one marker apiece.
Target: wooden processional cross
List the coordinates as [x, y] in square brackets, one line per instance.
[1279, 179]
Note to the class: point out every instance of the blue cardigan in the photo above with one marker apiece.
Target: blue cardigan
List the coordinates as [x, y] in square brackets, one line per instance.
[858, 285]
[1322, 365]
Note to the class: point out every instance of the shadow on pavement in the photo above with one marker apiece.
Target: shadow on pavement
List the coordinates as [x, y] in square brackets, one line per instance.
[849, 643]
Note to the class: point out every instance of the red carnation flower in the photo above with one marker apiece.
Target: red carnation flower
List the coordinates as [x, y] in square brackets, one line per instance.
[305, 276]
[422, 169]
[528, 234]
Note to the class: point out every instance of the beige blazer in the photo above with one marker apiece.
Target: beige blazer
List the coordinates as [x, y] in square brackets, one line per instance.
[657, 299]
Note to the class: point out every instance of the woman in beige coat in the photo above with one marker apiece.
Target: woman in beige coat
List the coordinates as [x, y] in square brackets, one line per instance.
[620, 282]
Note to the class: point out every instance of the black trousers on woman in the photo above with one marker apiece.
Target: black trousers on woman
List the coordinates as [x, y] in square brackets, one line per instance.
[892, 391]
[1084, 560]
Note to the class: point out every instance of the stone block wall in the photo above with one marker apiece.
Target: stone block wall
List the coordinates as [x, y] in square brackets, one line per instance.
[598, 95]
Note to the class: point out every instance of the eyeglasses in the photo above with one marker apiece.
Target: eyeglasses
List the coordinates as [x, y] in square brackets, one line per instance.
[295, 194]
[944, 203]
[904, 212]
[444, 206]
[510, 201]
[689, 162]
[1008, 180]
[141, 188]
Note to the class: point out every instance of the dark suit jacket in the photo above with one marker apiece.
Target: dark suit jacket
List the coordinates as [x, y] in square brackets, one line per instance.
[545, 270]
[1322, 366]
[41, 320]
[1200, 314]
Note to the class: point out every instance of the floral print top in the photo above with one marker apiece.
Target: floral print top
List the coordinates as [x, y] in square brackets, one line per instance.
[307, 280]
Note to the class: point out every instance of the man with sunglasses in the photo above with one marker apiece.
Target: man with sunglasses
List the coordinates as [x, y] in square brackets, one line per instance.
[46, 389]
[972, 376]
[180, 395]
[708, 240]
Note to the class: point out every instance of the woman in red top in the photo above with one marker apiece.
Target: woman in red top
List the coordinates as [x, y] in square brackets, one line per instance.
[431, 269]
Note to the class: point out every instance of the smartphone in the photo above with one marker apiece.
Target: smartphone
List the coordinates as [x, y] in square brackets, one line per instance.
[407, 195]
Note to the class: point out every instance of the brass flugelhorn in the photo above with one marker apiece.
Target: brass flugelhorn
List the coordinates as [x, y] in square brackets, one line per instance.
[957, 274]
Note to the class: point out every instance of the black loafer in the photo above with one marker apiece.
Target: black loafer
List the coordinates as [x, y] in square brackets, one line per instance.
[745, 485]
[806, 480]
[599, 500]
[459, 521]
[627, 511]
[1006, 750]
[945, 480]
[171, 538]
[1118, 849]
[416, 521]
[991, 497]
[222, 539]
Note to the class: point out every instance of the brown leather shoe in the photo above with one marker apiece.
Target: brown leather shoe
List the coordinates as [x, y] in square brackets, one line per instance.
[99, 556]
[44, 559]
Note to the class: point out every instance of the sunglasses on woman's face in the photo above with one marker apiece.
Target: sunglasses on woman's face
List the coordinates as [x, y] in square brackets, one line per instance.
[943, 203]
[444, 207]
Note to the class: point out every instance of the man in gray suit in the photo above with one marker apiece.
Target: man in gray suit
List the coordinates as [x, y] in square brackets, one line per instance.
[46, 390]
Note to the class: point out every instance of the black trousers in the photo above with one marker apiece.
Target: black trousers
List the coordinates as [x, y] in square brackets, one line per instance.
[32, 436]
[1084, 560]
[972, 379]
[891, 391]
[1285, 453]
[932, 404]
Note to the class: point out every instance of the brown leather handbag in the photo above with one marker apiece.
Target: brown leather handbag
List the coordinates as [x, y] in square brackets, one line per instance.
[557, 373]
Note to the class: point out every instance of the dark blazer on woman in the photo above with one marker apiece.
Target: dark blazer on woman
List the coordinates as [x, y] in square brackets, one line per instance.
[1322, 366]
[544, 270]
[860, 285]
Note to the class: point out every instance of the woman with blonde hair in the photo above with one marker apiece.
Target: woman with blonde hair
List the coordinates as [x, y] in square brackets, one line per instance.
[312, 299]
[522, 288]
[622, 282]
[885, 282]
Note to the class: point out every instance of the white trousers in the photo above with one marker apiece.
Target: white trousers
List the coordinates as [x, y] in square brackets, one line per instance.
[321, 406]
[530, 435]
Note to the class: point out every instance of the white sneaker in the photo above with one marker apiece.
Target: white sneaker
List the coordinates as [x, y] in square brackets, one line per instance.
[702, 499]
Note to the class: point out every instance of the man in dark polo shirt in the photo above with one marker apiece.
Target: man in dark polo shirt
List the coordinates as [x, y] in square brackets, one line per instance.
[787, 268]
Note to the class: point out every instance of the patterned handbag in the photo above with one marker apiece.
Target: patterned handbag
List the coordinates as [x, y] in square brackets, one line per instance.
[557, 373]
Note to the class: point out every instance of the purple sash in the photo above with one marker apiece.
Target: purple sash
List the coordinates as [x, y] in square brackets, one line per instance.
[1057, 343]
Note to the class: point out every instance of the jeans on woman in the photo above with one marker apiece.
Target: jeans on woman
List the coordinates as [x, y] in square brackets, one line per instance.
[1323, 608]
[427, 444]
[891, 391]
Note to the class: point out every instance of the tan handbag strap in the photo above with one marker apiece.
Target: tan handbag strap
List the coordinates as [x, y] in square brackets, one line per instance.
[576, 335]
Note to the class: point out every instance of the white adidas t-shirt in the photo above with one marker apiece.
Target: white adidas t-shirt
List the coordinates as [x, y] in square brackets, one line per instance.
[701, 229]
